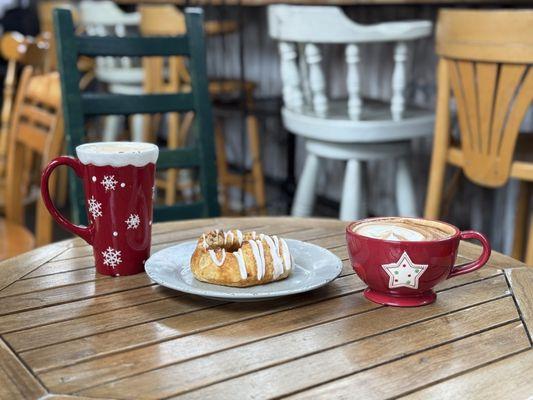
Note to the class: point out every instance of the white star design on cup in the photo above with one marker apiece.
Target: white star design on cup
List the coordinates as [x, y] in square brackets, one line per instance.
[404, 272]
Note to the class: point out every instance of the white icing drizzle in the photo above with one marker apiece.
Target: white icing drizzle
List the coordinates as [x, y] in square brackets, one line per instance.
[253, 235]
[240, 261]
[227, 235]
[286, 255]
[263, 263]
[257, 256]
[204, 243]
[277, 262]
[239, 236]
[217, 262]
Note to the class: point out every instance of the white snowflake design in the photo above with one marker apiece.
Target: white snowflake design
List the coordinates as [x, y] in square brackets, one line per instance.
[109, 182]
[111, 257]
[133, 221]
[95, 207]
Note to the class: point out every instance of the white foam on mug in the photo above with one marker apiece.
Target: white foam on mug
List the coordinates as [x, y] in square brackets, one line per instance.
[118, 154]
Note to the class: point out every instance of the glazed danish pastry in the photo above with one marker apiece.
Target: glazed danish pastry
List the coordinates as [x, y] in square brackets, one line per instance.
[234, 258]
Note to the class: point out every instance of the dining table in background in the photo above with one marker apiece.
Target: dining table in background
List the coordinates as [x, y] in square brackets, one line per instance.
[67, 330]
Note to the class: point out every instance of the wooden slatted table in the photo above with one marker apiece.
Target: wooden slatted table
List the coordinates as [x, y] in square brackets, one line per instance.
[67, 330]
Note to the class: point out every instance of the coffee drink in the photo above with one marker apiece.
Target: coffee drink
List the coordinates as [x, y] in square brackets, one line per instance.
[403, 229]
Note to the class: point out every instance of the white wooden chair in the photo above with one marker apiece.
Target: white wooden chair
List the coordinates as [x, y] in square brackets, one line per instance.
[352, 130]
[122, 75]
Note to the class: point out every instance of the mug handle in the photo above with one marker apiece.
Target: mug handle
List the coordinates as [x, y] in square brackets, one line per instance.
[85, 232]
[474, 265]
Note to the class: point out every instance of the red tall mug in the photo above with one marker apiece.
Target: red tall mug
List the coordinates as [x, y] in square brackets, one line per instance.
[118, 179]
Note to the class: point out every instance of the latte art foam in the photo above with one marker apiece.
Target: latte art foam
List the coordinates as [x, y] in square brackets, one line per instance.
[403, 229]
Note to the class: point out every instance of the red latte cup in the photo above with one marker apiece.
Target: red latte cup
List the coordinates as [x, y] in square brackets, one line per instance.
[118, 180]
[402, 259]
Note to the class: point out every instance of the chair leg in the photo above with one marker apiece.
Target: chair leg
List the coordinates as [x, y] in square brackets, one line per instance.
[112, 125]
[352, 191]
[405, 190]
[304, 198]
[172, 173]
[521, 218]
[222, 166]
[257, 166]
[529, 250]
[440, 144]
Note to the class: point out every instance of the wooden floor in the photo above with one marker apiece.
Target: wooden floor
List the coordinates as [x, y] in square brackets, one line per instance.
[66, 330]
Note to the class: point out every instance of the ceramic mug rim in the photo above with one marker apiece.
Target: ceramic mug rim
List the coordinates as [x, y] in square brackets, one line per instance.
[349, 231]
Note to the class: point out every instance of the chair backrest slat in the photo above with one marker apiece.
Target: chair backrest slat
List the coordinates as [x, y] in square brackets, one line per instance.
[184, 157]
[182, 211]
[78, 106]
[109, 104]
[133, 46]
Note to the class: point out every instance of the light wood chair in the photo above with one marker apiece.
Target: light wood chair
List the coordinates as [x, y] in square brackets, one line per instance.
[485, 66]
[17, 50]
[36, 137]
[351, 130]
[167, 20]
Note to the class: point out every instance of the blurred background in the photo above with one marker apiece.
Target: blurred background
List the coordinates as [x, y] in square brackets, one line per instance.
[259, 160]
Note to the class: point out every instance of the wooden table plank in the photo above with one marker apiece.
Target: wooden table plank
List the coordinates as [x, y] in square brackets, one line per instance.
[116, 319]
[412, 372]
[109, 368]
[473, 385]
[282, 379]
[16, 267]
[82, 308]
[66, 294]
[16, 382]
[49, 281]
[521, 281]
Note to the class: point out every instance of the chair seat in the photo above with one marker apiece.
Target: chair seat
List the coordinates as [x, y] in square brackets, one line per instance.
[14, 239]
[129, 76]
[375, 124]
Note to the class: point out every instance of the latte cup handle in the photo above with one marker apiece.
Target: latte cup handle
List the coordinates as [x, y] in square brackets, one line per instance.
[477, 264]
[85, 232]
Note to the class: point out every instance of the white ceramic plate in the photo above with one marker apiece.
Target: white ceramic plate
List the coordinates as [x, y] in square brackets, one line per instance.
[313, 267]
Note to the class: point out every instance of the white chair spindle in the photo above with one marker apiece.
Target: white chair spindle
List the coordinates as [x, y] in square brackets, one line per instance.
[353, 83]
[399, 81]
[316, 79]
[290, 77]
[120, 31]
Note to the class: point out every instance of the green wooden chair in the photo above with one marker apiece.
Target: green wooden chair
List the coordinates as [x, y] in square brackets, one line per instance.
[78, 105]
